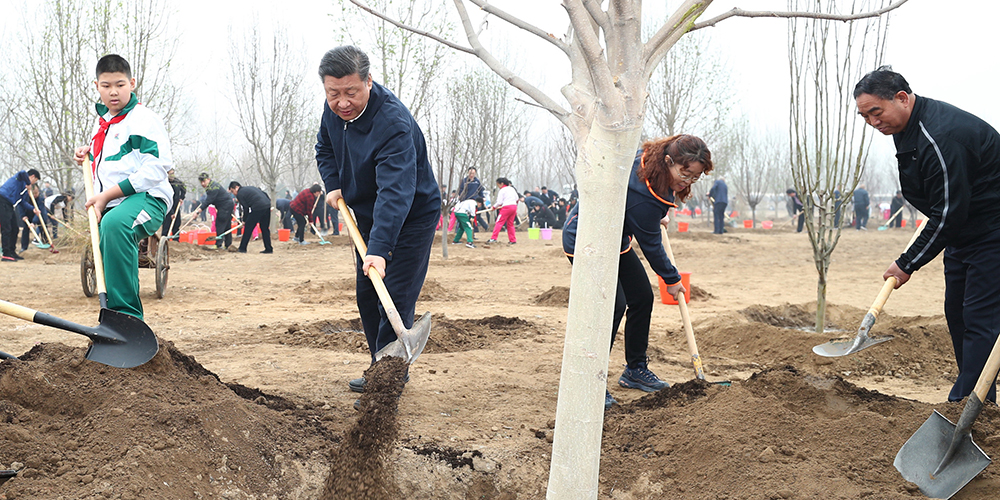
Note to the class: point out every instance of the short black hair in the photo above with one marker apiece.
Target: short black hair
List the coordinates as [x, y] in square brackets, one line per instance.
[479, 200]
[234, 184]
[113, 63]
[202, 176]
[315, 188]
[343, 61]
[883, 83]
[33, 172]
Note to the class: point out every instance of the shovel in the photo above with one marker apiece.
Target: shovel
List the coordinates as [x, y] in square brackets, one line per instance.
[940, 457]
[44, 227]
[842, 347]
[699, 370]
[37, 241]
[409, 343]
[322, 240]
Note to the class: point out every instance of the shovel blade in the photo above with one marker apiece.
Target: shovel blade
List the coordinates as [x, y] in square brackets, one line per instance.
[926, 448]
[122, 341]
[409, 343]
[842, 347]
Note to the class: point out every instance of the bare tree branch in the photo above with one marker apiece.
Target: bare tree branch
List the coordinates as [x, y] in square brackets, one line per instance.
[494, 64]
[591, 48]
[670, 32]
[365, 7]
[520, 23]
[737, 12]
[600, 17]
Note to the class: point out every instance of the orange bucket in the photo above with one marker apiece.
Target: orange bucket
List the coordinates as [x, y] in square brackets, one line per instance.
[666, 298]
[682, 227]
[767, 224]
[747, 223]
[284, 234]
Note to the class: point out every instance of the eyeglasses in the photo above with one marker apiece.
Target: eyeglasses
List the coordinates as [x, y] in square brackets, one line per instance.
[685, 177]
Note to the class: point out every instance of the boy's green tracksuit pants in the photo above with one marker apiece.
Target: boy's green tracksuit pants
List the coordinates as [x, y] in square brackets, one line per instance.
[464, 226]
[122, 227]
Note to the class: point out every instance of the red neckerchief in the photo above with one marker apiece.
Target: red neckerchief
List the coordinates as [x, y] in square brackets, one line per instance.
[102, 132]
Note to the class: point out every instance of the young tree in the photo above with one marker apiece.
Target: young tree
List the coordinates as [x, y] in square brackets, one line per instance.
[828, 144]
[269, 100]
[611, 65]
[754, 162]
[690, 91]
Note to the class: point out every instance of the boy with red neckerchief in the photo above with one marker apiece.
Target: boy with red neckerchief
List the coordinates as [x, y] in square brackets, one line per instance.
[130, 152]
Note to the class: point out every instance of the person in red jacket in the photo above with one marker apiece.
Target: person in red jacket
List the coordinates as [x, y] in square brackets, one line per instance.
[302, 208]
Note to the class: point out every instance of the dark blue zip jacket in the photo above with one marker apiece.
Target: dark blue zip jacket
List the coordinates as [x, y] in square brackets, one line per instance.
[13, 188]
[949, 169]
[643, 211]
[379, 162]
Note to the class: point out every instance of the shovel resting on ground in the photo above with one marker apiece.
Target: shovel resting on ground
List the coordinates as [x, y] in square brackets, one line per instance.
[842, 347]
[940, 457]
[410, 342]
[45, 228]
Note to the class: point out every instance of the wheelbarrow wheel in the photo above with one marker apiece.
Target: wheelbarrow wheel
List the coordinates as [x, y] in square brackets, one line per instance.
[88, 277]
[162, 266]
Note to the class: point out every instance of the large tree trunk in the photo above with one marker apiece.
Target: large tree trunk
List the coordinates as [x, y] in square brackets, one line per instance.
[602, 169]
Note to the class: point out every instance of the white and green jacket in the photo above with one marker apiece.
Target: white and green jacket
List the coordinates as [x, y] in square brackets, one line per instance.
[136, 154]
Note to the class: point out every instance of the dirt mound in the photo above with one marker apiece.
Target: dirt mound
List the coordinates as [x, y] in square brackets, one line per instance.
[326, 292]
[456, 335]
[777, 336]
[432, 290]
[338, 335]
[699, 293]
[779, 434]
[557, 296]
[167, 429]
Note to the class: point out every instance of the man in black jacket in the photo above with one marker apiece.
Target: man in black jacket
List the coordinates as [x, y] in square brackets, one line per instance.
[255, 205]
[949, 169]
[223, 201]
[172, 220]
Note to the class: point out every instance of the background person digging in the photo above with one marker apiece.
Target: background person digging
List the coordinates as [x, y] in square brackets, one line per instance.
[217, 196]
[371, 153]
[256, 209]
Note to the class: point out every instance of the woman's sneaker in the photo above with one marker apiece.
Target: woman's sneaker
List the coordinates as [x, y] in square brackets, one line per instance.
[641, 378]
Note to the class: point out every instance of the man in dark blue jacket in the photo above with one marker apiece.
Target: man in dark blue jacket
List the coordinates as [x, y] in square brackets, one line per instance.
[862, 206]
[719, 195]
[949, 169]
[11, 193]
[371, 153]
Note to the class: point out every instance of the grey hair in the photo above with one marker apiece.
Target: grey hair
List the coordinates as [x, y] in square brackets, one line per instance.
[343, 61]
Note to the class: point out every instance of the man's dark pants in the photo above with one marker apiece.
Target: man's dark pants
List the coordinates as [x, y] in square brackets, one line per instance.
[404, 277]
[223, 223]
[860, 217]
[972, 308]
[300, 226]
[8, 227]
[261, 217]
[719, 211]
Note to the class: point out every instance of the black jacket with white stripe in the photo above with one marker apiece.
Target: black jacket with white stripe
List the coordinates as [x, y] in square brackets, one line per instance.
[949, 169]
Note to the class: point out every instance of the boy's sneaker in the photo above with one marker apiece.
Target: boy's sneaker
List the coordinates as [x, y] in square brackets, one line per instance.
[490, 241]
[609, 400]
[641, 378]
[17, 257]
[8, 258]
[511, 242]
[470, 245]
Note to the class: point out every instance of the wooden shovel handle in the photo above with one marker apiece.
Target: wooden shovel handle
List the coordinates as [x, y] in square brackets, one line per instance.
[17, 311]
[40, 218]
[380, 289]
[699, 370]
[95, 236]
[989, 373]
